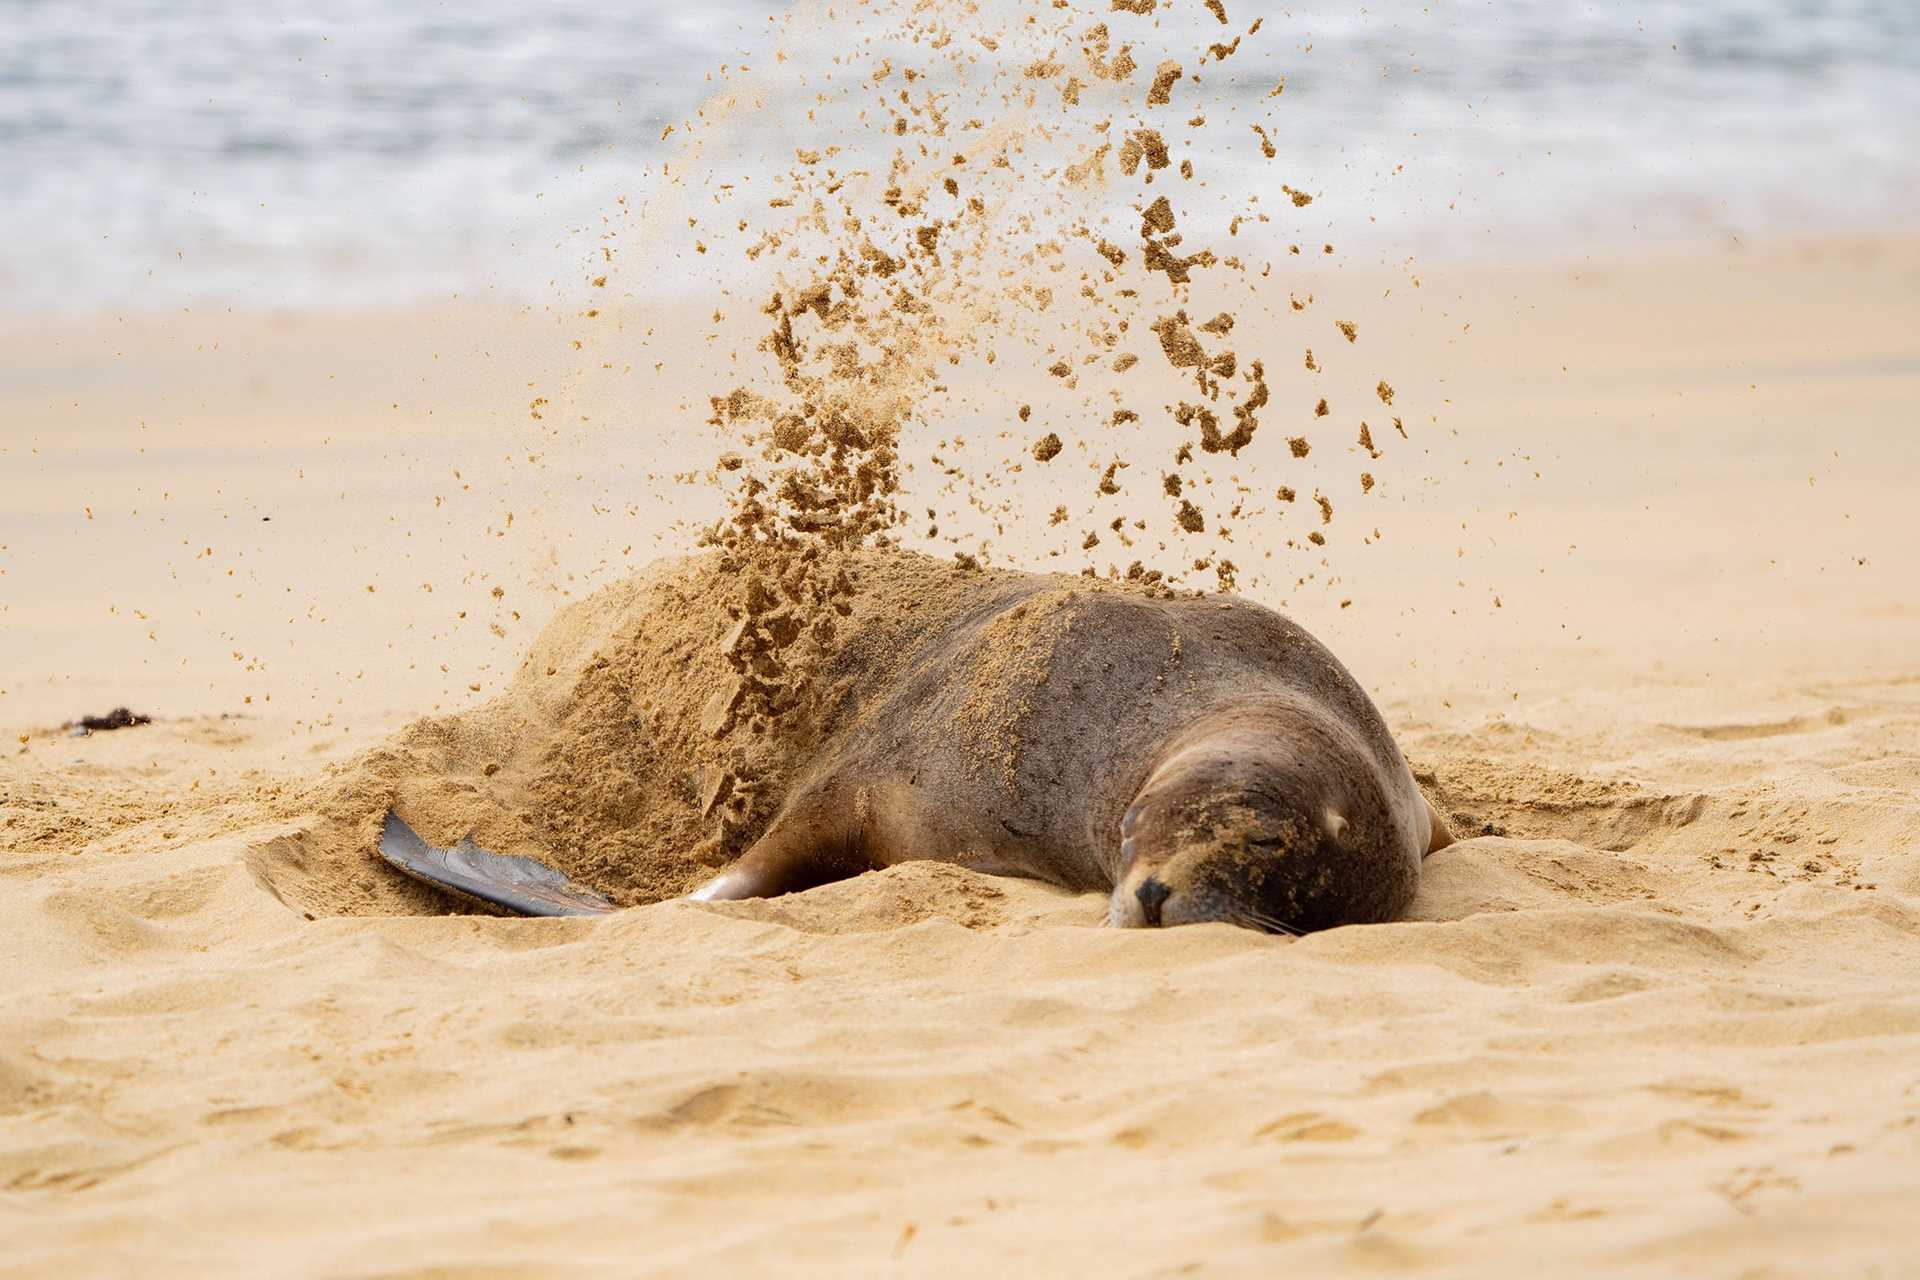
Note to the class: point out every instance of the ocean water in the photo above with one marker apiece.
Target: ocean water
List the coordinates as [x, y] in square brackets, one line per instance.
[262, 153]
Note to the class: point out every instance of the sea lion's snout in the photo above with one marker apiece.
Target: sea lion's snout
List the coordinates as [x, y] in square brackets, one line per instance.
[1152, 895]
[1197, 885]
[1147, 902]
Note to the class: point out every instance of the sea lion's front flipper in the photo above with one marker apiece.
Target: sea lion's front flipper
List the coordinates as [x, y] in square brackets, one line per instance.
[1440, 836]
[497, 879]
[815, 840]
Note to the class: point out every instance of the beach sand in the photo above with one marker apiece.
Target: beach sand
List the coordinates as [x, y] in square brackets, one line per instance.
[1645, 620]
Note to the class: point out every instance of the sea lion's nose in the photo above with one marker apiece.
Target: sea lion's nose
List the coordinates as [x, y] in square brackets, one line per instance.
[1152, 894]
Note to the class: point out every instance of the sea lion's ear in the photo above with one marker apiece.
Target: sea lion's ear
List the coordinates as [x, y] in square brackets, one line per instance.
[1441, 837]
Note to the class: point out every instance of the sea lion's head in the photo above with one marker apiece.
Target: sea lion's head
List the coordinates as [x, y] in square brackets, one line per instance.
[1282, 827]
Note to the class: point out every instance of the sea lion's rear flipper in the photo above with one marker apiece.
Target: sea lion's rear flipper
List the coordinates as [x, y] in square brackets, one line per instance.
[496, 879]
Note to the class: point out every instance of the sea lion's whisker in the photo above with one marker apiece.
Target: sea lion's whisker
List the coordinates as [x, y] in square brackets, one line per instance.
[1248, 916]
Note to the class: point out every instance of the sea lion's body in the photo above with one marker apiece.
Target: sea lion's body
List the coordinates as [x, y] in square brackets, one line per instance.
[1053, 728]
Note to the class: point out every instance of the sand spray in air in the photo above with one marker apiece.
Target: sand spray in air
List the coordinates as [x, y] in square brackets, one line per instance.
[1001, 287]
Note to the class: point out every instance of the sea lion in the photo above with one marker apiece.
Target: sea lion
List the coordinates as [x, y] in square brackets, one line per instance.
[1196, 758]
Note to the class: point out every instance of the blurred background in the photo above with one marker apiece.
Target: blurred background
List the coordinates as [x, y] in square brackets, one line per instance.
[353, 152]
[306, 399]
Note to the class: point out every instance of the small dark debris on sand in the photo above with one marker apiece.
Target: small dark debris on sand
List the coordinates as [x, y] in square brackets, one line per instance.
[118, 718]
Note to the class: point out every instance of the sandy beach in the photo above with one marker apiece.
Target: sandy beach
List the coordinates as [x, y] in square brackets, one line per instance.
[1644, 619]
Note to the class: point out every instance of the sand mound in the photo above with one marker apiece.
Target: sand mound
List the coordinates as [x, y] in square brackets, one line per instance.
[592, 760]
[623, 751]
